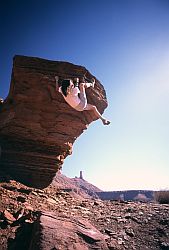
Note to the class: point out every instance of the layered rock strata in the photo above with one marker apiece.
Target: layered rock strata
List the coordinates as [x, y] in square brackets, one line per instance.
[37, 127]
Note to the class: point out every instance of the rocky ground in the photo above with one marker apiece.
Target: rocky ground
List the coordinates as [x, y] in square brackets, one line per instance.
[101, 224]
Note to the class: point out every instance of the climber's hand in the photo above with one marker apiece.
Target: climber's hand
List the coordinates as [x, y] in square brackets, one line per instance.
[93, 80]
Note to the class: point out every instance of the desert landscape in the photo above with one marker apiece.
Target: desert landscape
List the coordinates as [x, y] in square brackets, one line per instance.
[64, 216]
[40, 207]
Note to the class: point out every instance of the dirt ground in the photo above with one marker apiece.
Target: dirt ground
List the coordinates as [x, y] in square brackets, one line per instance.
[129, 225]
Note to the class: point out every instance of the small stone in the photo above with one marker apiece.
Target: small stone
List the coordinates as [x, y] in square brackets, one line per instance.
[9, 217]
[164, 245]
[113, 245]
[120, 241]
[19, 214]
[130, 209]
[128, 216]
[51, 200]
[109, 232]
[96, 203]
[130, 232]
[28, 207]
[136, 220]
[33, 192]
[30, 221]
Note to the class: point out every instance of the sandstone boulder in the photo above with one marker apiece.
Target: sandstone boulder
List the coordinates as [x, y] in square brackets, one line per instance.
[37, 127]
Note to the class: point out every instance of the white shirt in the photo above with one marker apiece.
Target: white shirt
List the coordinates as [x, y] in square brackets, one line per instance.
[72, 99]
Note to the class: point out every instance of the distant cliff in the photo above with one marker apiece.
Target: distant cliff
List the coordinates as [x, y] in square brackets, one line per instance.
[132, 195]
[37, 127]
[82, 187]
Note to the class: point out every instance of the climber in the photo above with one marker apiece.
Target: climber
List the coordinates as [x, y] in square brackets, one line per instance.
[75, 95]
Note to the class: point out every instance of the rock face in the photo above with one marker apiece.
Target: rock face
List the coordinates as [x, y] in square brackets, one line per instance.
[127, 195]
[37, 127]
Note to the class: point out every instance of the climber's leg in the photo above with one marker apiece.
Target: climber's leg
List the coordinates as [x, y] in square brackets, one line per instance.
[96, 112]
[82, 96]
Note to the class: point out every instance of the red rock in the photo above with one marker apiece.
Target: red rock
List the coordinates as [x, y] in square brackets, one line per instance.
[52, 201]
[9, 217]
[88, 232]
[37, 127]
[28, 207]
[19, 213]
[53, 232]
[21, 199]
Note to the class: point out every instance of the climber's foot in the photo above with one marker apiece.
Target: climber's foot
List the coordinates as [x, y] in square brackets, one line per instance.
[106, 122]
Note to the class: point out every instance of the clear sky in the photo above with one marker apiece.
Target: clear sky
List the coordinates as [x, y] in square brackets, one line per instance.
[125, 44]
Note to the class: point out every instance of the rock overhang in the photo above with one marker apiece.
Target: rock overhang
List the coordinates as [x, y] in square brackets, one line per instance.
[37, 126]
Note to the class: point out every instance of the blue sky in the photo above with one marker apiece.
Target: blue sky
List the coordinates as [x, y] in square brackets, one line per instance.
[125, 44]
